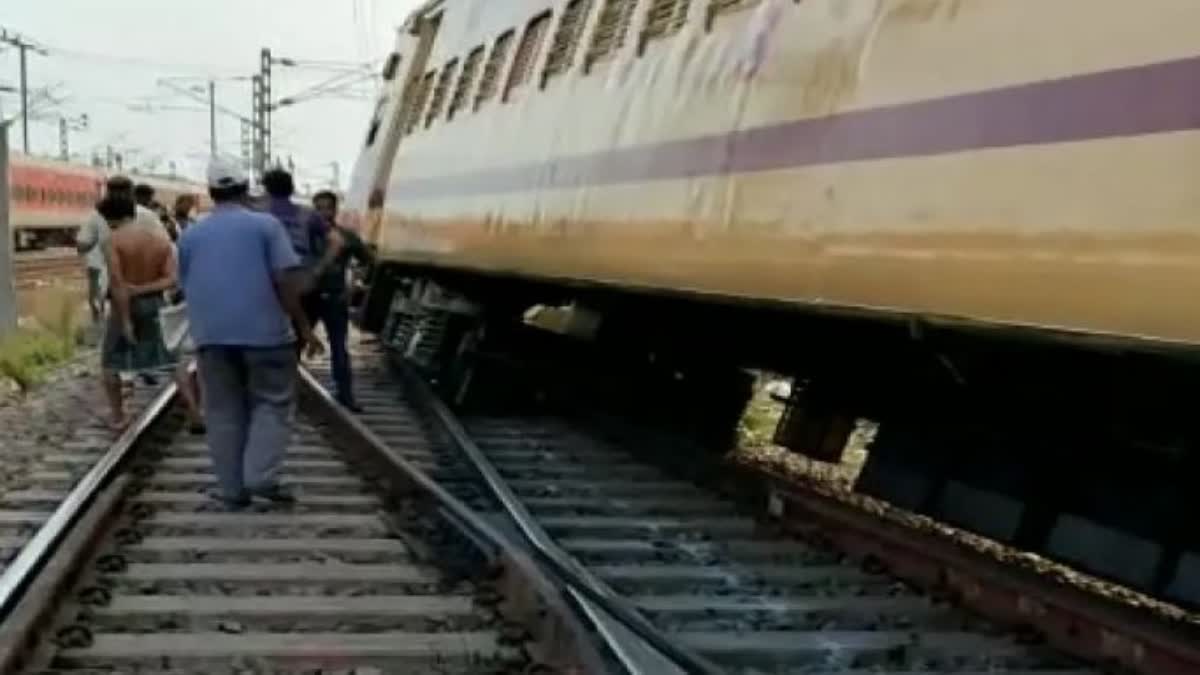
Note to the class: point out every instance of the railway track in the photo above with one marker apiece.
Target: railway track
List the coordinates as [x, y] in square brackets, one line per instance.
[30, 268]
[400, 557]
[731, 588]
[373, 570]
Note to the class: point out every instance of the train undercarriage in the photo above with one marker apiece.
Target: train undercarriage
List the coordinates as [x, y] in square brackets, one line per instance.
[1082, 454]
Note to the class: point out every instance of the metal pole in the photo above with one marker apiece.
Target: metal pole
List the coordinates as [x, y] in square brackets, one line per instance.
[265, 90]
[259, 153]
[22, 49]
[247, 145]
[64, 150]
[8, 296]
[212, 117]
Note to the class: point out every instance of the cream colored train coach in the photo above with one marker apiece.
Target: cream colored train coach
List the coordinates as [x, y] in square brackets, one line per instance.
[985, 214]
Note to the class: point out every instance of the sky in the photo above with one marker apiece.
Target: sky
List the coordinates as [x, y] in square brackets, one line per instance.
[108, 60]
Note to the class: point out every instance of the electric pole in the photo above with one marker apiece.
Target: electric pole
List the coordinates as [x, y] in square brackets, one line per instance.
[64, 128]
[8, 295]
[248, 144]
[212, 118]
[262, 113]
[24, 97]
[337, 175]
[23, 46]
[268, 106]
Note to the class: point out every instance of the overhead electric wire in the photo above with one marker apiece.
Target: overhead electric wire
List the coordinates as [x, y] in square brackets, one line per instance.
[93, 57]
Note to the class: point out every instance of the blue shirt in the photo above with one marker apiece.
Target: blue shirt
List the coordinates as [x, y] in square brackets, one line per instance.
[227, 266]
[304, 226]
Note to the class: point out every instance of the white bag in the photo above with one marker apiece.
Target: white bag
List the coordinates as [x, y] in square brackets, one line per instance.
[175, 328]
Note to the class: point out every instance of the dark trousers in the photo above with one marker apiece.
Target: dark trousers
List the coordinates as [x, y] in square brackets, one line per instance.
[247, 395]
[333, 311]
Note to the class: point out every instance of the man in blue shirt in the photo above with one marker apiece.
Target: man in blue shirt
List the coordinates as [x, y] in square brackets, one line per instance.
[304, 226]
[243, 284]
[315, 243]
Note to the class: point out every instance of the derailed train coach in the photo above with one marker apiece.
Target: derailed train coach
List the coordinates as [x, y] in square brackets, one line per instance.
[974, 222]
[50, 199]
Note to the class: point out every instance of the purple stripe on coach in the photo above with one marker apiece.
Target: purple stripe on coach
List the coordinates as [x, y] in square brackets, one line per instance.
[1156, 98]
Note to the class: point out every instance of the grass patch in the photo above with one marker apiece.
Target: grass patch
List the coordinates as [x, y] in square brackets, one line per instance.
[51, 337]
[757, 427]
[756, 446]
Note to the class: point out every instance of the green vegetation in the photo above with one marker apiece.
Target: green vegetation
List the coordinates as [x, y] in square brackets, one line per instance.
[52, 338]
[756, 446]
[757, 427]
[26, 356]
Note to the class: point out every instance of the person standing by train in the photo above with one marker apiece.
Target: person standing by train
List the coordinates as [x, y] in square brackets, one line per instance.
[329, 301]
[243, 284]
[314, 244]
[304, 226]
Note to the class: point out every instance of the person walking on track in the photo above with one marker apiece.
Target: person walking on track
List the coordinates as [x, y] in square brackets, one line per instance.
[92, 241]
[305, 228]
[92, 244]
[141, 268]
[243, 284]
[329, 300]
[306, 231]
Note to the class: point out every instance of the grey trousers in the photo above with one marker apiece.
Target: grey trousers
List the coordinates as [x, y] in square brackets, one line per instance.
[247, 396]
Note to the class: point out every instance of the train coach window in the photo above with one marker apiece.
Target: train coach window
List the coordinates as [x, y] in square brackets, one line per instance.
[465, 81]
[391, 66]
[376, 121]
[610, 29]
[716, 7]
[414, 116]
[439, 92]
[665, 17]
[566, 39]
[489, 82]
[531, 41]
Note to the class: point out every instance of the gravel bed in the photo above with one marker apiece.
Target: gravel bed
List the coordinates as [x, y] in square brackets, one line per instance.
[61, 415]
[836, 481]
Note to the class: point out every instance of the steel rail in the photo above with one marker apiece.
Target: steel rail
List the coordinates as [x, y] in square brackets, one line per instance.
[38, 550]
[580, 580]
[453, 509]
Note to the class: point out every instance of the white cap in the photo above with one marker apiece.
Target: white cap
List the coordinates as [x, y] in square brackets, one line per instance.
[225, 172]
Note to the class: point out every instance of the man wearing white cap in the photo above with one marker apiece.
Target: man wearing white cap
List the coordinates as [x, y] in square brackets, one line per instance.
[243, 284]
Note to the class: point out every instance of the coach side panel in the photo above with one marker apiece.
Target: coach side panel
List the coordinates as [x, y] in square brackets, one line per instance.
[1018, 161]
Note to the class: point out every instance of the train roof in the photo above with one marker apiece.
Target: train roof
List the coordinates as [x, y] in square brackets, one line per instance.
[100, 173]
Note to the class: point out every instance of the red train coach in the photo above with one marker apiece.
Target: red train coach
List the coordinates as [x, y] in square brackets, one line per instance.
[51, 198]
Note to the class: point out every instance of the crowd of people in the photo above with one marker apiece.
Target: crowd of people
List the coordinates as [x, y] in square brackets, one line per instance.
[227, 303]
